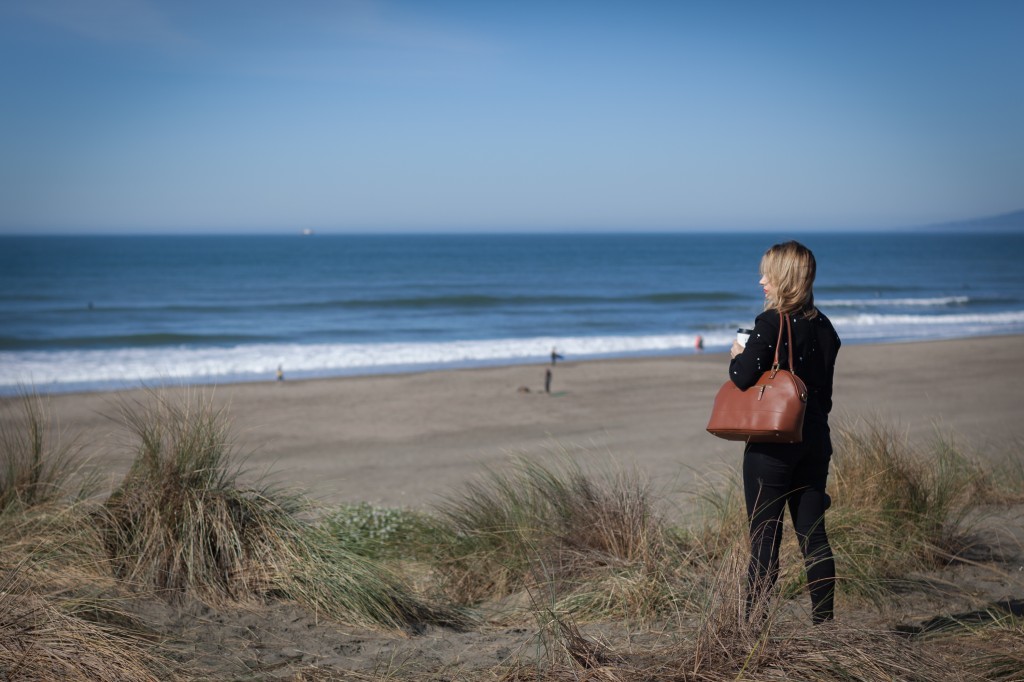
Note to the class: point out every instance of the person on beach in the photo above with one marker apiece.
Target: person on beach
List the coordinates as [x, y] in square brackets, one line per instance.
[547, 380]
[776, 475]
[555, 356]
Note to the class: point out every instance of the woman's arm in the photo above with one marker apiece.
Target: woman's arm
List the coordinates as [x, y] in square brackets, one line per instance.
[759, 353]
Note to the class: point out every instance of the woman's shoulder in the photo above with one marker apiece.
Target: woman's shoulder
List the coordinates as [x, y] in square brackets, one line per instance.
[821, 319]
[816, 320]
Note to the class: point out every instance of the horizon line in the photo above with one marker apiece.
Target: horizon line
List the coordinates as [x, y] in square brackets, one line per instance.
[924, 229]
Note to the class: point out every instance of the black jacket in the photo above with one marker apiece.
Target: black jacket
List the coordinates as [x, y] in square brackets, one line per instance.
[815, 346]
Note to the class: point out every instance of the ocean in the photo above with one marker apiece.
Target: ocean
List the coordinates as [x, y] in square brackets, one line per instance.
[100, 313]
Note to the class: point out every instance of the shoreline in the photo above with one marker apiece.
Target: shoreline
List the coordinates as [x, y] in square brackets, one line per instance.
[406, 439]
[10, 391]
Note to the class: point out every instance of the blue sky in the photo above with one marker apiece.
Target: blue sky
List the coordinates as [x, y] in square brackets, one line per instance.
[259, 116]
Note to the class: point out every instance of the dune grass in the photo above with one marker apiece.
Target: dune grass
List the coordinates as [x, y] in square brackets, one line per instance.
[183, 521]
[840, 654]
[541, 542]
[594, 545]
[40, 640]
[721, 644]
[50, 548]
[38, 462]
[901, 508]
[898, 508]
[997, 654]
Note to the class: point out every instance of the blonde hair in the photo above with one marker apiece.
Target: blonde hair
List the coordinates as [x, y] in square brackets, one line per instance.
[790, 268]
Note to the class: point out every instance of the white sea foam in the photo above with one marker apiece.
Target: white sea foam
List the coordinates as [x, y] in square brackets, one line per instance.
[876, 326]
[57, 370]
[893, 302]
[874, 319]
[115, 368]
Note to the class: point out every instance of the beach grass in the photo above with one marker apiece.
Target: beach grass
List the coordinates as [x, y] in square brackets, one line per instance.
[53, 556]
[39, 464]
[721, 644]
[181, 521]
[591, 544]
[39, 641]
[899, 507]
[548, 545]
[51, 549]
[185, 522]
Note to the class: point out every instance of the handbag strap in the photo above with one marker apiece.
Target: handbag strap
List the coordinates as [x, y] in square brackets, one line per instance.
[789, 344]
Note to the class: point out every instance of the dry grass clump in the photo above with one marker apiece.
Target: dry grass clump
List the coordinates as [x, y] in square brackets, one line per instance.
[40, 642]
[180, 521]
[183, 522]
[723, 644]
[46, 532]
[1008, 473]
[739, 650]
[898, 508]
[718, 519]
[594, 545]
[921, 495]
[998, 655]
[37, 462]
[58, 552]
[837, 653]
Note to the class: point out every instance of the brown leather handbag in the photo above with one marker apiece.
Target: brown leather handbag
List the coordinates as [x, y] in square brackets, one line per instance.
[770, 411]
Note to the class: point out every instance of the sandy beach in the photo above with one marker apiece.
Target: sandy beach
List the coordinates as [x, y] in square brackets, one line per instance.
[406, 440]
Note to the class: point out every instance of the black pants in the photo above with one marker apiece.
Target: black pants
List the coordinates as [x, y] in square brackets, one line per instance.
[774, 476]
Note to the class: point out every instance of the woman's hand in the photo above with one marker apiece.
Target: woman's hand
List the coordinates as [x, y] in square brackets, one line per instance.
[736, 349]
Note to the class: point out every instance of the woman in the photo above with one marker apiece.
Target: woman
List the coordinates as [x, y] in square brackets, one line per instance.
[779, 474]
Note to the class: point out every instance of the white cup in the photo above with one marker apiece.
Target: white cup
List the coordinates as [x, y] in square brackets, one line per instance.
[743, 335]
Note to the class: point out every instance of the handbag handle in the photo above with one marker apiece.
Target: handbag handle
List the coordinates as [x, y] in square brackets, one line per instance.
[789, 345]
